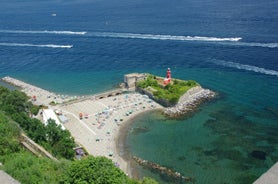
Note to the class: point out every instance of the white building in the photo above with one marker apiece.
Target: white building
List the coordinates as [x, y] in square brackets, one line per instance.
[50, 114]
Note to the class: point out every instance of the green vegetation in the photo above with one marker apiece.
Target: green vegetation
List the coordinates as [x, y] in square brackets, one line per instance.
[30, 169]
[18, 107]
[96, 170]
[23, 165]
[171, 92]
[9, 136]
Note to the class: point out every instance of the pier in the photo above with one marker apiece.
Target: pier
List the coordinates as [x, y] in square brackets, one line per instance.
[270, 177]
[41, 96]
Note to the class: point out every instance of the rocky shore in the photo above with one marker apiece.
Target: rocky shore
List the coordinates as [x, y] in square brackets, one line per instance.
[189, 101]
[162, 170]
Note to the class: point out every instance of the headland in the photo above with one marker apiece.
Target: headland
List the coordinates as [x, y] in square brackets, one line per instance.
[177, 96]
[96, 121]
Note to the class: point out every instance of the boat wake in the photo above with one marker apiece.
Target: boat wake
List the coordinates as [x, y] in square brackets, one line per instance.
[245, 67]
[44, 32]
[253, 44]
[224, 41]
[34, 45]
[233, 41]
[162, 37]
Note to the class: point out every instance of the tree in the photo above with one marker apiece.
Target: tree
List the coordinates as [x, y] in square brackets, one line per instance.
[60, 140]
[9, 135]
[147, 180]
[96, 170]
[13, 101]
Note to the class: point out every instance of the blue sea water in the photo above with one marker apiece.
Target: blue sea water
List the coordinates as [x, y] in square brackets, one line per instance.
[86, 46]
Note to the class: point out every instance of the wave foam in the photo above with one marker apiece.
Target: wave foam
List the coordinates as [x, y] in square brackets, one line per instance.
[163, 37]
[34, 45]
[225, 41]
[44, 32]
[269, 45]
[250, 44]
[233, 41]
[245, 67]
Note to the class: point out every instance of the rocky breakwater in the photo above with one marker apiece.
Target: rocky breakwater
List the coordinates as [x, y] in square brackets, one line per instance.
[163, 170]
[189, 101]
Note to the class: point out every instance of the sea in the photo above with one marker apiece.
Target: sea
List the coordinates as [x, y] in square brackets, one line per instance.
[81, 47]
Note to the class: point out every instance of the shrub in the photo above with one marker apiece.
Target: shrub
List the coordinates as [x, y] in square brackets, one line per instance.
[171, 92]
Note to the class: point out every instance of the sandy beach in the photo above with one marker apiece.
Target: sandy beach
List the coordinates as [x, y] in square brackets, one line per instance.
[103, 119]
[99, 132]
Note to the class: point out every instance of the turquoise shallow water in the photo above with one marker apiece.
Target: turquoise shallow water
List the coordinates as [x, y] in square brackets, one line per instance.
[215, 144]
[227, 46]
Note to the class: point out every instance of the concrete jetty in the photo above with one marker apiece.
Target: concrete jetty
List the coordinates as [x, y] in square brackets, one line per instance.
[270, 177]
[38, 95]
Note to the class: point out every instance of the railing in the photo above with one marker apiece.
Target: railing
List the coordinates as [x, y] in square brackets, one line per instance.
[97, 96]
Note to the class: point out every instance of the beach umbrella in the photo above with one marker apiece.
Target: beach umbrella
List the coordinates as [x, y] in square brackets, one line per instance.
[110, 154]
[80, 115]
[86, 116]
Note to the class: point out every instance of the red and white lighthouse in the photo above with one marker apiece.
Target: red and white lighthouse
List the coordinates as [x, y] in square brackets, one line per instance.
[167, 80]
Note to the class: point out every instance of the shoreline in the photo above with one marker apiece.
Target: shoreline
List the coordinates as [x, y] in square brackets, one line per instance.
[107, 119]
[104, 128]
[122, 148]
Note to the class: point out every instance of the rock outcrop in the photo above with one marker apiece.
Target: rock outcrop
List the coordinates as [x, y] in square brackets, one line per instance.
[189, 101]
[162, 170]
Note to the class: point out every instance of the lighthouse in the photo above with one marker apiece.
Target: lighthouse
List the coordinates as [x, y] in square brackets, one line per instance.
[167, 80]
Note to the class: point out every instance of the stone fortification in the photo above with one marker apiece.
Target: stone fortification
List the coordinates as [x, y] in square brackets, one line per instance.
[131, 79]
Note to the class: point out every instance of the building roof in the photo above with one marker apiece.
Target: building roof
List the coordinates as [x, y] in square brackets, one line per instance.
[135, 75]
[63, 118]
[49, 114]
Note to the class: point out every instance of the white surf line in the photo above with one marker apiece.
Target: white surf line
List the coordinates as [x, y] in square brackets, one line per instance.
[84, 124]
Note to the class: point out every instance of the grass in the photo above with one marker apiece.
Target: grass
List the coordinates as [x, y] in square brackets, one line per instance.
[170, 92]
